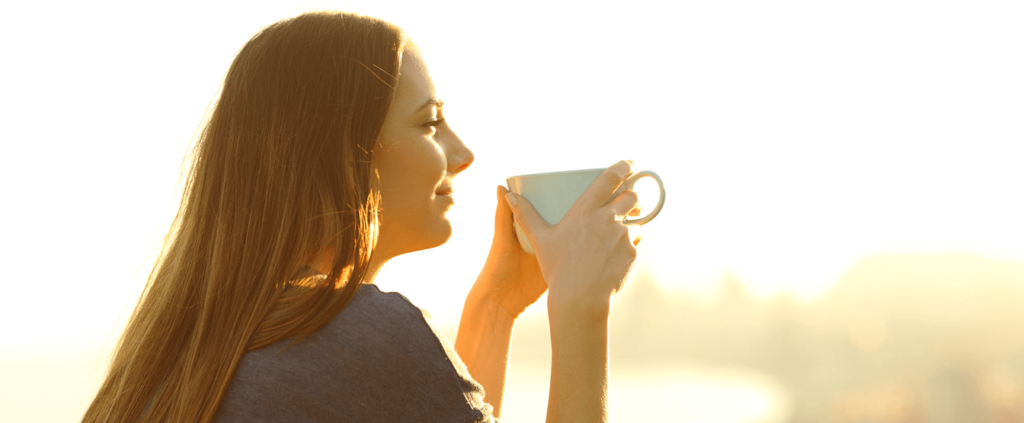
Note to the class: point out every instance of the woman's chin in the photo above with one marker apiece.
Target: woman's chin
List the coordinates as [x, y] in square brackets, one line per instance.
[429, 234]
[442, 233]
[433, 236]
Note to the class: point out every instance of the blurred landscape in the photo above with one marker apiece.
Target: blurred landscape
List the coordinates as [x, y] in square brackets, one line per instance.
[793, 137]
[899, 338]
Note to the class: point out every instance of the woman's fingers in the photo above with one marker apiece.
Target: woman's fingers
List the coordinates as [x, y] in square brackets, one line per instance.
[503, 219]
[526, 216]
[624, 203]
[606, 184]
[635, 233]
[503, 213]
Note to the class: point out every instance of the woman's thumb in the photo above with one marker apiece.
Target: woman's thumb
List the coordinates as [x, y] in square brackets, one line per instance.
[524, 213]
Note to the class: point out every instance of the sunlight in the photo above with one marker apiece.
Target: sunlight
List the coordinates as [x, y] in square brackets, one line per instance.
[796, 141]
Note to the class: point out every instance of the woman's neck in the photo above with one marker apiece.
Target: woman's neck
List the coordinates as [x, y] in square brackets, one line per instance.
[377, 261]
[375, 266]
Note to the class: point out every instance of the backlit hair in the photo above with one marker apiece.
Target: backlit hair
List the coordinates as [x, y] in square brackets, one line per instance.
[280, 177]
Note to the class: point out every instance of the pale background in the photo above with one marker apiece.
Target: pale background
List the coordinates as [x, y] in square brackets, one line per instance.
[795, 139]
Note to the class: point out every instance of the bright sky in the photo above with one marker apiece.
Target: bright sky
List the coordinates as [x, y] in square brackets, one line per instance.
[794, 137]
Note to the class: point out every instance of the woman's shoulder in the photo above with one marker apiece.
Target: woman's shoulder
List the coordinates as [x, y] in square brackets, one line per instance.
[384, 322]
[379, 359]
[375, 325]
[375, 310]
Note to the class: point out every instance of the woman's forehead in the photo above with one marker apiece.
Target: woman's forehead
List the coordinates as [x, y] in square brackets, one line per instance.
[415, 86]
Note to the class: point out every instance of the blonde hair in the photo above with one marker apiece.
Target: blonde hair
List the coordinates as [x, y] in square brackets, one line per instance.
[280, 177]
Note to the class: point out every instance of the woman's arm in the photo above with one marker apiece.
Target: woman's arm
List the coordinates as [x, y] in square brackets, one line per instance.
[509, 282]
[579, 361]
[485, 334]
[585, 259]
[579, 355]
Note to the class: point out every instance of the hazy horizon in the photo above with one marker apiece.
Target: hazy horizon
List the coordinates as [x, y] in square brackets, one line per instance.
[801, 144]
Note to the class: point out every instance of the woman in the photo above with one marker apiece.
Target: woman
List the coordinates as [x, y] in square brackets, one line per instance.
[326, 155]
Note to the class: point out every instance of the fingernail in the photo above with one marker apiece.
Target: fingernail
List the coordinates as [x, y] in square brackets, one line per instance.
[511, 199]
[625, 172]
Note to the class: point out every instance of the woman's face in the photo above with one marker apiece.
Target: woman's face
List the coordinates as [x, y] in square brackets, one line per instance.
[416, 158]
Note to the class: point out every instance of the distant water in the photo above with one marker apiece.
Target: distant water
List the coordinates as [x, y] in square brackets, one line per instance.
[678, 392]
[52, 389]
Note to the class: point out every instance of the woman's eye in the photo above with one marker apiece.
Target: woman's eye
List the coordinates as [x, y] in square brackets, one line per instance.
[434, 123]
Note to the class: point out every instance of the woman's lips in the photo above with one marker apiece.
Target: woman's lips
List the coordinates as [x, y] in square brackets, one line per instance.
[445, 192]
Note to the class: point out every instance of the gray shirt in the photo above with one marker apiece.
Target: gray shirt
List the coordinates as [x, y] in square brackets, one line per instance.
[379, 360]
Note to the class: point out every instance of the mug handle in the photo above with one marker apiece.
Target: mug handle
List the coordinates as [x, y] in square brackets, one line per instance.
[628, 184]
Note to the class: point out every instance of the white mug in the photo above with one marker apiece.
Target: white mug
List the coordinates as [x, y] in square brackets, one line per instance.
[553, 194]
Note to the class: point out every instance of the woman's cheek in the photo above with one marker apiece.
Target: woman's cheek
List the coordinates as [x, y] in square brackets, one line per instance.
[439, 159]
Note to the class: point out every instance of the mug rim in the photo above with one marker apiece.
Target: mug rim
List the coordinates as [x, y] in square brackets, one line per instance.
[556, 172]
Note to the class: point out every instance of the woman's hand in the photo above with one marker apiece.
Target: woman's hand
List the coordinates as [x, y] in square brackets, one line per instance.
[510, 275]
[510, 281]
[584, 259]
[588, 254]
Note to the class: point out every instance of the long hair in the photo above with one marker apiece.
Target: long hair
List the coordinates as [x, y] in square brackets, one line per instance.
[280, 177]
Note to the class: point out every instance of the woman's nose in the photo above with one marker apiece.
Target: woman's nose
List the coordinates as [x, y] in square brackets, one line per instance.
[459, 156]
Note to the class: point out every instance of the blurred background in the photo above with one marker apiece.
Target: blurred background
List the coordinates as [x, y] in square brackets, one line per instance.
[842, 239]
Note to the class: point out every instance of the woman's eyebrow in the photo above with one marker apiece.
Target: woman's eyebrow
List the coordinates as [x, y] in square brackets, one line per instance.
[431, 102]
